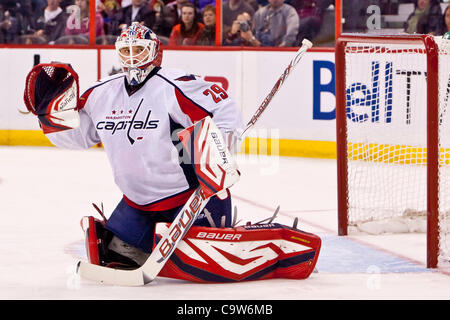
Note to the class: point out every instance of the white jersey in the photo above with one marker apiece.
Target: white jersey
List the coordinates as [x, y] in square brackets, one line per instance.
[138, 132]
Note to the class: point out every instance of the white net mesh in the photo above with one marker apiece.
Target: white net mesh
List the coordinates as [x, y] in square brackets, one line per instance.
[386, 107]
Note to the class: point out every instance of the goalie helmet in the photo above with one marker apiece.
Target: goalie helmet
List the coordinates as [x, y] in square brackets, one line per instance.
[139, 52]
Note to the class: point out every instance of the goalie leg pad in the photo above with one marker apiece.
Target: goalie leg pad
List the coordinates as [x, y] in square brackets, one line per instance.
[91, 227]
[98, 241]
[254, 252]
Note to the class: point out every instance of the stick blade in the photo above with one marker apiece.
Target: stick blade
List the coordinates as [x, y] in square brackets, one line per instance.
[112, 276]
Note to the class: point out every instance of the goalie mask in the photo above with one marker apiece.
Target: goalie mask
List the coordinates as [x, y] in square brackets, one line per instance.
[139, 52]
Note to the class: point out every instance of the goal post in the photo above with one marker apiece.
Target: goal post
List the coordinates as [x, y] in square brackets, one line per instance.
[391, 96]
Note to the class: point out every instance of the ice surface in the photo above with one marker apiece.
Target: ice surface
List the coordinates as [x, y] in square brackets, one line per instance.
[44, 192]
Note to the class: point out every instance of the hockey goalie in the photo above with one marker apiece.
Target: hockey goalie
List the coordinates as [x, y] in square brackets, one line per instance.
[167, 136]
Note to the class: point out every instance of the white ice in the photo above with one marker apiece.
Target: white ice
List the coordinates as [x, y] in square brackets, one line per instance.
[44, 192]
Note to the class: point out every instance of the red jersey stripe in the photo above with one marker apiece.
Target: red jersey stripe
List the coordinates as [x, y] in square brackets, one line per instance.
[164, 204]
[194, 111]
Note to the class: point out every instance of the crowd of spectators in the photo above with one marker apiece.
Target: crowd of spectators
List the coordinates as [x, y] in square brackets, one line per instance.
[280, 23]
[176, 22]
[423, 17]
[427, 18]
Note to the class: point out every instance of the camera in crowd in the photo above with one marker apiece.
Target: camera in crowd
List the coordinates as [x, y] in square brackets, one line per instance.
[245, 26]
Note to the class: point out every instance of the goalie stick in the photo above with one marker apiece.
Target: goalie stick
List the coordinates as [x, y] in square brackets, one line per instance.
[306, 44]
[184, 220]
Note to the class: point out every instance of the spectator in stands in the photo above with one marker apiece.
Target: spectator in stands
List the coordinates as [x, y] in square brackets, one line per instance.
[276, 24]
[11, 21]
[231, 9]
[201, 4]
[426, 17]
[28, 15]
[241, 33]
[254, 4]
[52, 22]
[355, 14]
[262, 3]
[160, 25]
[444, 25]
[310, 13]
[186, 32]
[138, 11]
[66, 3]
[172, 12]
[78, 21]
[8, 25]
[108, 9]
[208, 35]
[156, 5]
[38, 6]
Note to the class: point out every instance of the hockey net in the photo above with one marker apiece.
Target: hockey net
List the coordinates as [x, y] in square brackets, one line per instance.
[393, 136]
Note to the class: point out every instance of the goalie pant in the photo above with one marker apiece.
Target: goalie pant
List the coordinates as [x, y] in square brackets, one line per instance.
[220, 255]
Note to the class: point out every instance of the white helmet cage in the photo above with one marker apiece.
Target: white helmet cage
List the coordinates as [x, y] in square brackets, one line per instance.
[137, 63]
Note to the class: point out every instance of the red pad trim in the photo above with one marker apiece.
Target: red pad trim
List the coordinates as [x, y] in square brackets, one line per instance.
[162, 205]
[91, 242]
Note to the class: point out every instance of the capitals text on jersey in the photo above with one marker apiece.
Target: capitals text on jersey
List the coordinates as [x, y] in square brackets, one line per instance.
[125, 124]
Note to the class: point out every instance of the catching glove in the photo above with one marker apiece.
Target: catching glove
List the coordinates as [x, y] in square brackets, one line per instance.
[52, 93]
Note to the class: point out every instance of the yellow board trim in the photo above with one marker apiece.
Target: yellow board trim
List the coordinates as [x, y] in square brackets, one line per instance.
[256, 146]
[278, 147]
[385, 153]
[23, 138]
[289, 148]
